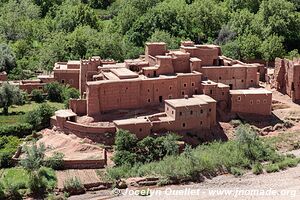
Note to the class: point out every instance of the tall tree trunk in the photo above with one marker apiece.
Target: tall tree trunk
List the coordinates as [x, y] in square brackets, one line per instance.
[5, 110]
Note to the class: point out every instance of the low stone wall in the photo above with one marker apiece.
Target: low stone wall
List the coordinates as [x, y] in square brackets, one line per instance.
[84, 164]
[100, 134]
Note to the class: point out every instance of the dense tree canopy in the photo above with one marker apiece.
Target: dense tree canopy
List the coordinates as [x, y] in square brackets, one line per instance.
[36, 33]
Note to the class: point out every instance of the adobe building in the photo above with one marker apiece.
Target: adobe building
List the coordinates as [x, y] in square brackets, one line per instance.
[286, 77]
[163, 90]
[257, 101]
[183, 115]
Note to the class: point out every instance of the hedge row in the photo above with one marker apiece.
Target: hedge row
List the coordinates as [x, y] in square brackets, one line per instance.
[19, 129]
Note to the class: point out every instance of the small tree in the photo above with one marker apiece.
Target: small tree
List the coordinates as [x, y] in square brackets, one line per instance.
[37, 96]
[55, 92]
[9, 95]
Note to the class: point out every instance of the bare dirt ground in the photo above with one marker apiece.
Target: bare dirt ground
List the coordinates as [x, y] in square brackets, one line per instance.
[86, 176]
[73, 147]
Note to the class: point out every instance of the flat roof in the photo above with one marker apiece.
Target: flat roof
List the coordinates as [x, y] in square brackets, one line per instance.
[131, 121]
[124, 73]
[65, 113]
[73, 62]
[185, 102]
[205, 98]
[251, 91]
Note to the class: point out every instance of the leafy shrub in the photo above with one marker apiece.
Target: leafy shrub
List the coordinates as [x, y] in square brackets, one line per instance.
[270, 168]
[55, 161]
[257, 168]
[8, 147]
[40, 117]
[130, 151]
[236, 171]
[74, 186]
[18, 129]
[54, 92]
[37, 96]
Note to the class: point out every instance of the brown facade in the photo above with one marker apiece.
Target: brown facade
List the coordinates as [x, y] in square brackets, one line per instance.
[256, 101]
[287, 77]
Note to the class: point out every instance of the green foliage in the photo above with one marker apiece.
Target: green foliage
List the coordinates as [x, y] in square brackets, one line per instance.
[130, 151]
[9, 95]
[73, 186]
[272, 47]
[257, 168]
[271, 168]
[55, 92]
[36, 33]
[40, 117]
[17, 129]
[37, 96]
[236, 171]
[34, 158]
[246, 152]
[8, 147]
[7, 58]
[55, 161]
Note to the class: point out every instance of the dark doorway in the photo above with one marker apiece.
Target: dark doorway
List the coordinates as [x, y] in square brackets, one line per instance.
[160, 99]
[154, 74]
[230, 86]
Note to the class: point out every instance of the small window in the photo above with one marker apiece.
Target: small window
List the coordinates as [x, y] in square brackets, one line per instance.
[184, 85]
[167, 108]
[193, 84]
[156, 90]
[141, 129]
[180, 113]
[170, 87]
[191, 112]
[233, 77]
[251, 81]
[201, 111]
[170, 96]
[209, 110]
[223, 93]
[182, 93]
[257, 101]
[126, 88]
[62, 81]
[251, 102]
[220, 78]
[201, 122]
[239, 98]
[265, 100]
[149, 100]
[183, 124]
[242, 81]
[172, 112]
[210, 91]
[148, 90]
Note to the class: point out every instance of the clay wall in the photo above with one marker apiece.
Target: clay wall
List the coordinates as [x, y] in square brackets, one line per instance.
[251, 103]
[78, 106]
[237, 77]
[138, 93]
[70, 77]
[3, 76]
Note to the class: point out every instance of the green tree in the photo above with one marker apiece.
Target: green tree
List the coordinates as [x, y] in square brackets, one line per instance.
[172, 42]
[7, 58]
[9, 95]
[55, 92]
[16, 19]
[73, 13]
[37, 96]
[272, 47]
